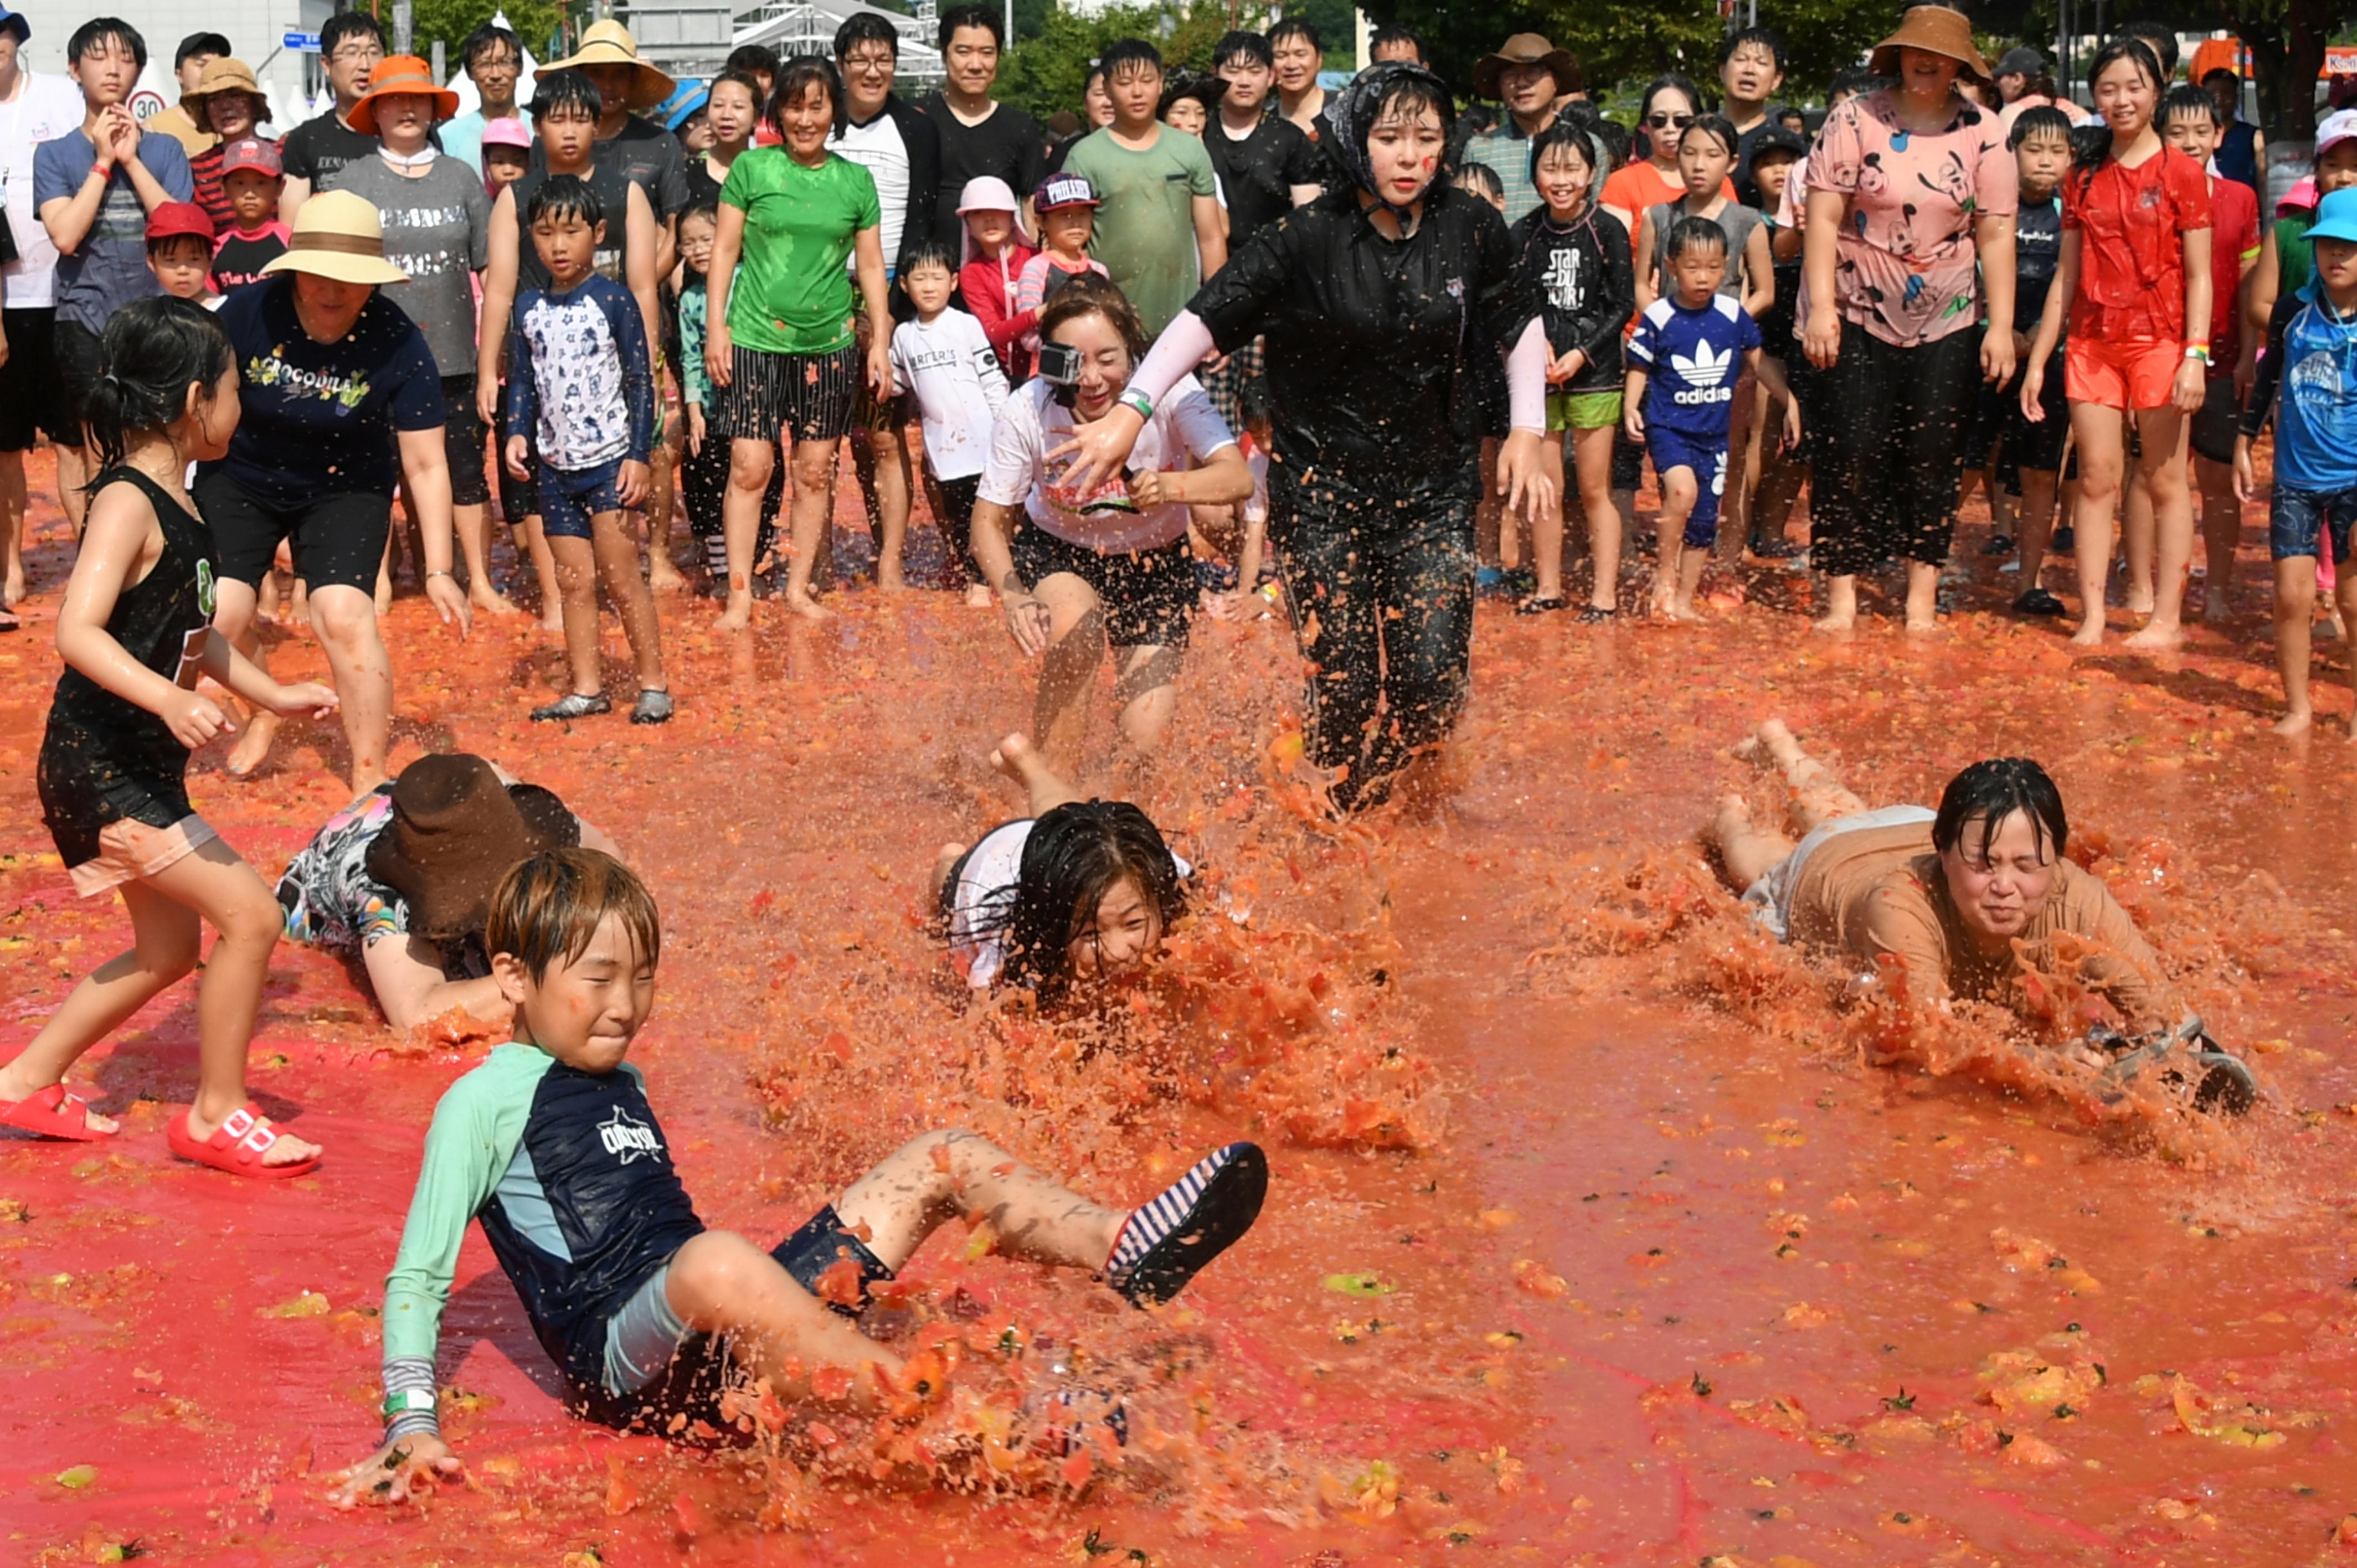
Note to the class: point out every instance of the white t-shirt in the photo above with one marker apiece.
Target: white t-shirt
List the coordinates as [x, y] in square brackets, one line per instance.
[44, 108]
[1185, 430]
[949, 366]
[986, 881]
[877, 147]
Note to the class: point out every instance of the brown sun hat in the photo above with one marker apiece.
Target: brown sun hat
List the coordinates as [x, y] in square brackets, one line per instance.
[455, 830]
[1527, 48]
[339, 234]
[224, 74]
[610, 43]
[1935, 30]
[402, 74]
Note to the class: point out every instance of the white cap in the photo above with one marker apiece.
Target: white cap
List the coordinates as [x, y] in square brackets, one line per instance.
[986, 193]
[2340, 125]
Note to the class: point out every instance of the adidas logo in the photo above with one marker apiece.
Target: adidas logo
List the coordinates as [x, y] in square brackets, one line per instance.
[1705, 368]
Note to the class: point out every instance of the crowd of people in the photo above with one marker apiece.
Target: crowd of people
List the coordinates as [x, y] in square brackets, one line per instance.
[1361, 342]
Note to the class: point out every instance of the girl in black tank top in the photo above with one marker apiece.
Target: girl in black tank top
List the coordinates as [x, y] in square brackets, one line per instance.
[135, 633]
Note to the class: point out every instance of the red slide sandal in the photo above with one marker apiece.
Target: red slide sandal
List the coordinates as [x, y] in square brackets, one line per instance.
[52, 1112]
[237, 1146]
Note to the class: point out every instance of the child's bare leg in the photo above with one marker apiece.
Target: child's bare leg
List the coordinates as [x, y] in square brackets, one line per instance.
[1146, 694]
[2100, 434]
[531, 540]
[719, 1282]
[663, 465]
[576, 582]
[943, 1175]
[1044, 790]
[1672, 597]
[2035, 524]
[165, 937]
[617, 567]
[1591, 453]
[2137, 532]
[1745, 848]
[2344, 594]
[2161, 467]
[2295, 607]
[1546, 532]
[2221, 531]
[473, 524]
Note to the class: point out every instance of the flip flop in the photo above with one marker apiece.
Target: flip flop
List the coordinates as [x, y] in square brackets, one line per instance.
[1543, 605]
[237, 1146]
[1181, 1228]
[52, 1112]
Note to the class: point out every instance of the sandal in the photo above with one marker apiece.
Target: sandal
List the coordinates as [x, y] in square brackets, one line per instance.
[1539, 606]
[2185, 1058]
[237, 1145]
[1596, 614]
[1168, 1241]
[52, 1112]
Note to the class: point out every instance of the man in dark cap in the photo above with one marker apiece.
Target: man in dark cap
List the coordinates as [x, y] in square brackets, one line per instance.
[184, 120]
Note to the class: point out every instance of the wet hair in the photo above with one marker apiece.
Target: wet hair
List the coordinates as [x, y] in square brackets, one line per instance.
[1993, 789]
[707, 208]
[2186, 99]
[1692, 233]
[484, 39]
[1295, 27]
[798, 76]
[754, 59]
[928, 252]
[958, 17]
[1717, 126]
[1790, 114]
[1244, 47]
[2090, 145]
[346, 25]
[1086, 294]
[548, 910]
[1856, 80]
[865, 28]
[1415, 90]
[566, 195]
[1077, 853]
[1474, 175]
[2160, 37]
[1392, 37]
[1136, 54]
[2229, 72]
[99, 31]
[2045, 120]
[1618, 144]
[1763, 37]
[152, 349]
[566, 95]
[1563, 131]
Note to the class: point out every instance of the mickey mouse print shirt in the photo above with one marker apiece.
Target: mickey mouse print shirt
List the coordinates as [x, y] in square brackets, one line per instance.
[1904, 267]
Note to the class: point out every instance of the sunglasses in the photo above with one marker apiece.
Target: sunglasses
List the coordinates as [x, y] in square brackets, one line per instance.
[1662, 122]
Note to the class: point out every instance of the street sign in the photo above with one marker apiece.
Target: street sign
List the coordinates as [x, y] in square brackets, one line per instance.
[302, 43]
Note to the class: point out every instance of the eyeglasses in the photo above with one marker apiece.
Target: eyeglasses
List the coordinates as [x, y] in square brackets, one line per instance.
[358, 53]
[875, 60]
[1662, 122]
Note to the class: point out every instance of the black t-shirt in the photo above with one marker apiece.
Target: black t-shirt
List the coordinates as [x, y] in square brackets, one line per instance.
[1008, 144]
[317, 148]
[1372, 343]
[241, 257]
[1746, 189]
[611, 258]
[649, 154]
[2037, 251]
[1588, 290]
[702, 191]
[1257, 174]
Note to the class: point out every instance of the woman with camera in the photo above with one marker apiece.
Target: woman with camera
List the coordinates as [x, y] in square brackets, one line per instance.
[1103, 564]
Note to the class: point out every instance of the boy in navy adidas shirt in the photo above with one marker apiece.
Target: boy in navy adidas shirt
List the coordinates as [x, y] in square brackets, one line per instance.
[1691, 346]
[553, 1146]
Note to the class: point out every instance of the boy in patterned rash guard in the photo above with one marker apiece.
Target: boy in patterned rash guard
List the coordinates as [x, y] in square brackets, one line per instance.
[553, 1146]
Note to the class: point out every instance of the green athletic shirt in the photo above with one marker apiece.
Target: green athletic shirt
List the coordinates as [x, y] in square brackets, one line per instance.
[1146, 228]
[791, 294]
[571, 1175]
[2295, 253]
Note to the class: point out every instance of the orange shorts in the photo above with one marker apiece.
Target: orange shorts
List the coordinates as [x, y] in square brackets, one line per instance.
[2137, 374]
[133, 852]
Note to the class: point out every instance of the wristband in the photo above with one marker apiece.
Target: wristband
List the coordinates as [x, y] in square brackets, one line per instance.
[438, 573]
[2197, 351]
[1137, 402]
[403, 1400]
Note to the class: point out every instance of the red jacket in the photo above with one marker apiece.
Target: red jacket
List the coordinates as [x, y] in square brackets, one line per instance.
[988, 286]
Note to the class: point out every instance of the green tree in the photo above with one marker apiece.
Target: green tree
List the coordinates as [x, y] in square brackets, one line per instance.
[449, 22]
[1041, 75]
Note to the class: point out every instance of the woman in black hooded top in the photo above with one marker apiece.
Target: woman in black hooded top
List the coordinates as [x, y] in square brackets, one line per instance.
[1378, 300]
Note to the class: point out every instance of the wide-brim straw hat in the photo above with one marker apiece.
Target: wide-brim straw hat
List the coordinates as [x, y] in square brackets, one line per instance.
[455, 830]
[610, 43]
[1937, 30]
[338, 235]
[397, 74]
[1527, 48]
[224, 74]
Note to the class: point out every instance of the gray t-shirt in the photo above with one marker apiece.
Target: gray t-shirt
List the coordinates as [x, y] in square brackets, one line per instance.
[109, 268]
[437, 229]
[1735, 220]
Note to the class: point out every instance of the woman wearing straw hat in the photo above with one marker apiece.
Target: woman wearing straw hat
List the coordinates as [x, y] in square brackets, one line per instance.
[437, 223]
[334, 381]
[229, 103]
[1909, 187]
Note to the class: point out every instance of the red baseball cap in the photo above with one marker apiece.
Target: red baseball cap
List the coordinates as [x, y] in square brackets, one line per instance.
[175, 219]
[250, 153]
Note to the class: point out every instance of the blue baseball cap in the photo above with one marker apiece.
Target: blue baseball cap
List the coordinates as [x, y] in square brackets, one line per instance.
[681, 106]
[2336, 218]
[14, 21]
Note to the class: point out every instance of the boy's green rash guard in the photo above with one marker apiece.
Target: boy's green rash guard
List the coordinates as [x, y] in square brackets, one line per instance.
[572, 1177]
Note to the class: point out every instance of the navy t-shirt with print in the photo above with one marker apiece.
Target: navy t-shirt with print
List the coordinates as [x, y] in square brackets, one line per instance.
[2037, 253]
[322, 418]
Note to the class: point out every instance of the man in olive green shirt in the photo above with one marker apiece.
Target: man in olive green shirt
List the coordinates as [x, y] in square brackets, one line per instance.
[1159, 230]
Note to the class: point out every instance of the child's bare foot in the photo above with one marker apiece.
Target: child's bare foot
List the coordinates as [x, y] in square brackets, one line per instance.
[739, 613]
[2296, 722]
[491, 602]
[662, 577]
[284, 1150]
[2213, 610]
[1926, 625]
[2088, 635]
[1839, 621]
[977, 596]
[15, 1090]
[807, 607]
[1732, 819]
[2139, 604]
[13, 592]
[2156, 636]
[1682, 610]
[892, 582]
[2329, 630]
[1017, 758]
[252, 748]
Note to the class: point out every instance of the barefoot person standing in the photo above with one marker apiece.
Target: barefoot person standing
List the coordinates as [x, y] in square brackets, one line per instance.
[341, 398]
